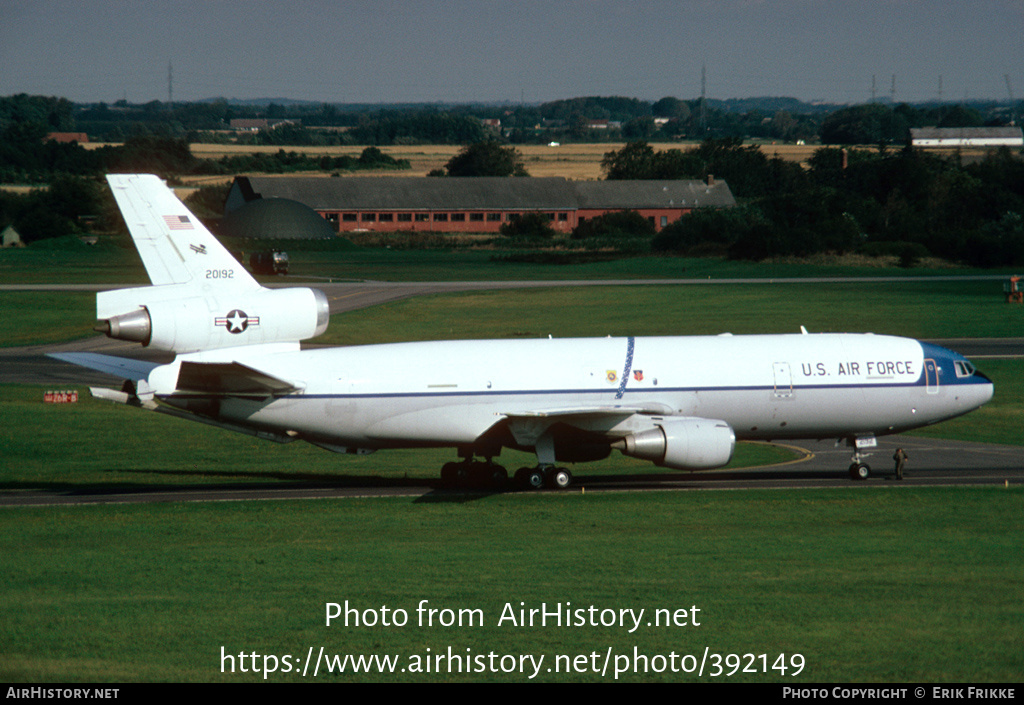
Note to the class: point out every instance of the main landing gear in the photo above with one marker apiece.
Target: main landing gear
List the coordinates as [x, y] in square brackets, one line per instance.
[486, 474]
[475, 473]
[540, 477]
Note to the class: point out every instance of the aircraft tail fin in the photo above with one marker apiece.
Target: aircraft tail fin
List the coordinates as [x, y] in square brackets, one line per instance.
[175, 247]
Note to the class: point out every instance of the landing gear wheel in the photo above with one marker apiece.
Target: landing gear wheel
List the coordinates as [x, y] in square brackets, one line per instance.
[497, 476]
[535, 479]
[521, 478]
[859, 471]
[561, 478]
[478, 474]
[450, 472]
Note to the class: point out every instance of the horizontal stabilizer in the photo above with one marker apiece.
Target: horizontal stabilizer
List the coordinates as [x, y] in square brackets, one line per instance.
[230, 379]
[122, 367]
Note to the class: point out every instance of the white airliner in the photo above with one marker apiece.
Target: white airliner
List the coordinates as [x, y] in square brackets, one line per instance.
[680, 402]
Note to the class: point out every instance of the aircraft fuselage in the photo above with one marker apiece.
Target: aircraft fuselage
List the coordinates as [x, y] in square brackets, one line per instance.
[765, 386]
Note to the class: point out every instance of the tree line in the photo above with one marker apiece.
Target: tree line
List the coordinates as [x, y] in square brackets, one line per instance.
[666, 119]
[27, 156]
[904, 202]
[71, 190]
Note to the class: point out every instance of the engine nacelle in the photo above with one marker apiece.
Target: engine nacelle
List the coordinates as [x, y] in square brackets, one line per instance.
[172, 318]
[685, 443]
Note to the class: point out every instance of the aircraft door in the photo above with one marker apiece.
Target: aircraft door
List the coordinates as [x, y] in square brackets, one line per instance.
[783, 380]
[931, 376]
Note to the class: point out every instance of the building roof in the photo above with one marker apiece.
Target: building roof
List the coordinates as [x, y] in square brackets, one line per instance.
[967, 132]
[653, 194]
[966, 136]
[412, 193]
[276, 218]
[383, 193]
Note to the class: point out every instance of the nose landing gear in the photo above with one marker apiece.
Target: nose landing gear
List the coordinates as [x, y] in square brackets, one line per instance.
[859, 470]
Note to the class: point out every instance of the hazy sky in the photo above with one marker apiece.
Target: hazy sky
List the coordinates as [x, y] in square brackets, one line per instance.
[493, 50]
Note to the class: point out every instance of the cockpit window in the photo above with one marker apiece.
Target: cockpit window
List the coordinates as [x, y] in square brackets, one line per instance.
[963, 368]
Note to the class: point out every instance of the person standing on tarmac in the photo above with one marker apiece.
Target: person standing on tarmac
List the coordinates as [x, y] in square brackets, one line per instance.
[900, 457]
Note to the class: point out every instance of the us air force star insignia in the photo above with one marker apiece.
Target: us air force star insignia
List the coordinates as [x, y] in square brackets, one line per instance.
[237, 321]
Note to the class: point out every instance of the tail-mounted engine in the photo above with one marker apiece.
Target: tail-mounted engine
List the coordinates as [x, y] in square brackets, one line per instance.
[172, 318]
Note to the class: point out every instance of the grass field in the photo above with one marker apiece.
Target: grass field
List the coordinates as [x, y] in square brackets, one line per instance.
[469, 258]
[887, 585]
[34, 318]
[915, 309]
[923, 309]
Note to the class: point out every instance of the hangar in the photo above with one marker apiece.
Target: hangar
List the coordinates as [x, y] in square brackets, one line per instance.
[477, 204]
[275, 218]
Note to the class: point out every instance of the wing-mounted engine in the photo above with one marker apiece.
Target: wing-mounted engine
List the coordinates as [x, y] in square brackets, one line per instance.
[173, 318]
[682, 443]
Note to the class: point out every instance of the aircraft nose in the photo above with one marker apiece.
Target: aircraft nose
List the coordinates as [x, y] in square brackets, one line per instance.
[980, 392]
[987, 390]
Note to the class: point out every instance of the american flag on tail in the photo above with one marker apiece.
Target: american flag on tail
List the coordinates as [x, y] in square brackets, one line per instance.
[178, 222]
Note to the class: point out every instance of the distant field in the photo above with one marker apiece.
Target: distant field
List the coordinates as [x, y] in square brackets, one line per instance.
[571, 161]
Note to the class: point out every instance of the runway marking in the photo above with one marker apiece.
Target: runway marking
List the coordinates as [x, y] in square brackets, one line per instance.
[808, 455]
[347, 296]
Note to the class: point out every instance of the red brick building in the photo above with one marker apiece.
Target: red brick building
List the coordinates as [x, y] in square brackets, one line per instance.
[68, 137]
[479, 204]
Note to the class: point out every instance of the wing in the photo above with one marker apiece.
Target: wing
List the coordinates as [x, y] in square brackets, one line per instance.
[527, 427]
[591, 412]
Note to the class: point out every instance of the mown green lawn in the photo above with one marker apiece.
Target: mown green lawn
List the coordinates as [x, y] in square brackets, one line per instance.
[918, 309]
[864, 584]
